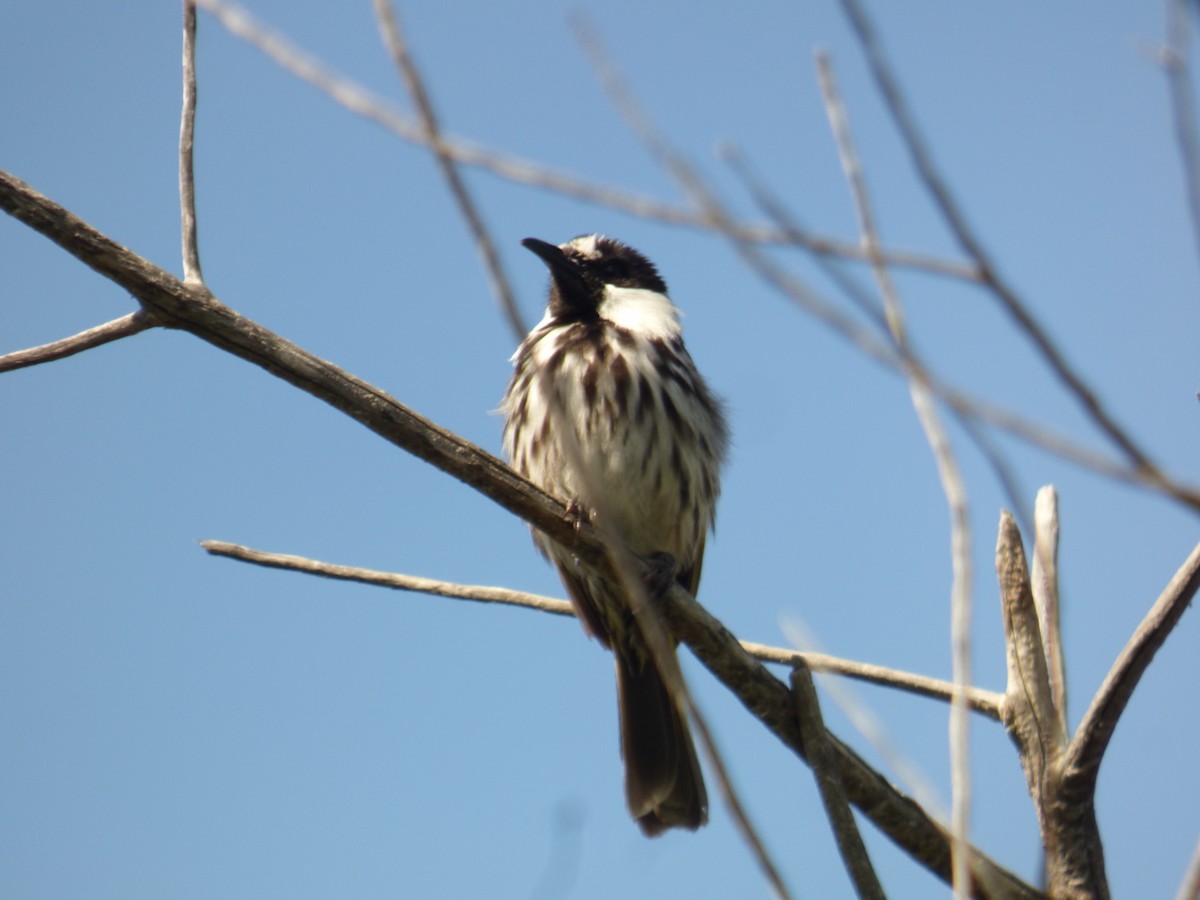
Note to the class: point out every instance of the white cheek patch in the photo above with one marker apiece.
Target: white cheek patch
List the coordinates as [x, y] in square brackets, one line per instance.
[645, 313]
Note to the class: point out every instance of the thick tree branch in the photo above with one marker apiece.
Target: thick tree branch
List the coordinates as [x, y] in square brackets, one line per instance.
[1029, 713]
[1066, 813]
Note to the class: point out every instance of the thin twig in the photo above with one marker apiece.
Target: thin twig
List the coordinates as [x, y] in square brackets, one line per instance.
[477, 592]
[358, 100]
[187, 135]
[1087, 747]
[1189, 888]
[125, 326]
[1009, 300]
[1176, 58]
[987, 703]
[837, 807]
[393, 37]
[951, 478]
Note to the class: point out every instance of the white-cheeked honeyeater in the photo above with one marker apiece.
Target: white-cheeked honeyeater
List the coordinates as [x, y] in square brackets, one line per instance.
[607, 412]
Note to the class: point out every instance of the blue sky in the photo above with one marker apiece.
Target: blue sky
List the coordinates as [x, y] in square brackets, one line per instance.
[182, 726]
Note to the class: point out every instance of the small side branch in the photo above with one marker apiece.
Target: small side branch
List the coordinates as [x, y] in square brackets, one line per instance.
[1175, 61]
[477, 592]
[393, 36]
[949, 473]
[1189, 889]
[94, 337]
[187, 134]
[972, 246]
[833, 795]
[1096, 730]
[987, 703]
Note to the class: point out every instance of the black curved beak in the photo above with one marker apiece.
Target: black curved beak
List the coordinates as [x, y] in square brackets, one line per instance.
[572, 289]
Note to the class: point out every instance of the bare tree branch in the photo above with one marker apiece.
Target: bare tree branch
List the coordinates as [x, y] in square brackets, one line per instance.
[771, 702]
[477, 592]
[393, 37]
[1029, 712]
[1086, 750]
[1046, 598]
[1074, 854]
[1009, 300]
[125, 326]
[187, 136]
[952, 482]
[1176, 58]
[824, 767]
[362, 102]
[1189, 888]
[987, 703]
[194, 309]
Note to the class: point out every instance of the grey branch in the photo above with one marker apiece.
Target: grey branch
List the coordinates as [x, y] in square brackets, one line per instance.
[824, 766]
[1046, 597]
[972, 246]
[1029, 713]
[362, 102]
[194, 309]
[1175, 60]
[987, 703]
[1066, 811]
[187, 138]
[1087, 748]
[125, 326]
[949, 473]
[393, 37]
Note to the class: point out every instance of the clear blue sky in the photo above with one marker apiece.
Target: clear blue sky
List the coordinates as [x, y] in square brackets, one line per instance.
[181, 726]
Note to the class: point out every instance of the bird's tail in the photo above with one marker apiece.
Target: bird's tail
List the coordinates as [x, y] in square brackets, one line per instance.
[663, 783]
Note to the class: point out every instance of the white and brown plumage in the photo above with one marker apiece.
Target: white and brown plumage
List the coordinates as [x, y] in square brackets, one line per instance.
[606, 410]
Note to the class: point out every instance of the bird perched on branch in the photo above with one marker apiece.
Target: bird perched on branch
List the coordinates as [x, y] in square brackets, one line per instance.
[607, 412]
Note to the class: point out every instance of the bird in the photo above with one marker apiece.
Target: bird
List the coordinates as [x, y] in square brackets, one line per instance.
[606, 411]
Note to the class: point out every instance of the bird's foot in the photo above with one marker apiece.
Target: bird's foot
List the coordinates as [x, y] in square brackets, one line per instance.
[660, 574]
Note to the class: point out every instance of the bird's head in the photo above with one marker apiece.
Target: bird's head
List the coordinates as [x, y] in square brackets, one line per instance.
[594, 277]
